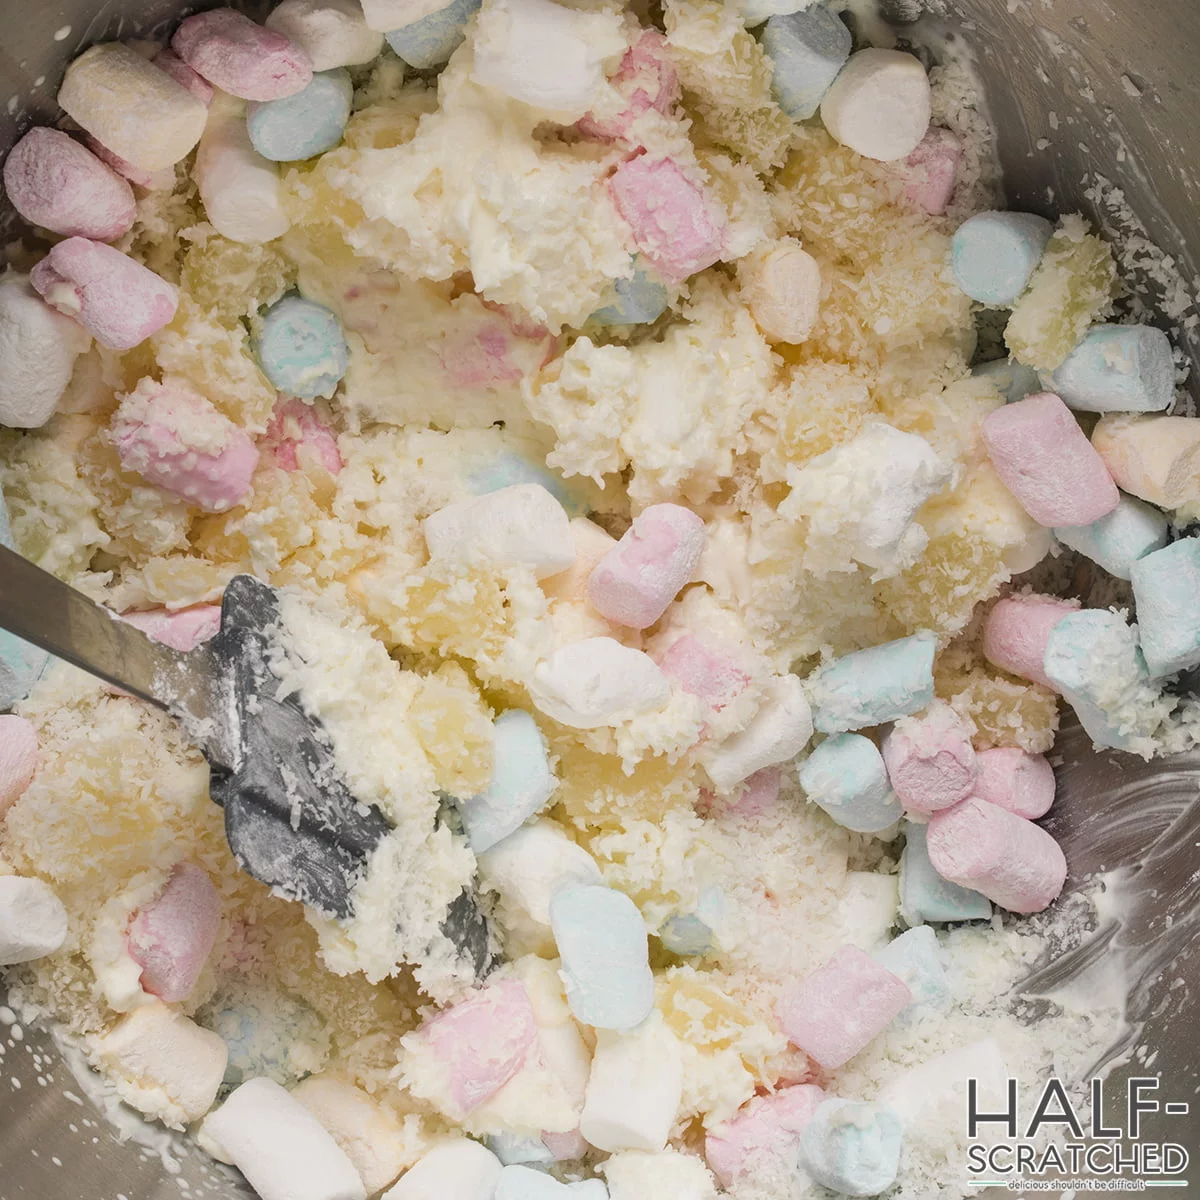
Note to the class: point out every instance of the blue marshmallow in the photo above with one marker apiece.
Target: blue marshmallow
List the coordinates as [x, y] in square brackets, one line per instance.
[993, 255]
[21, 663]
[267, 1033]
[869, 687]
[807, 50]
[1015, 380]
[691, 934]
[916, 957]
[430, 41]
[521, 783]
[846, 777]
[638, 300]
[514, 1150]
[509, 468]
[853, 1147]
[1118, 368]
[1166, 588]
[1115, 542]
[524, 1183]
[601, 940]
[306, 124]
[301, 348]
[925, 895]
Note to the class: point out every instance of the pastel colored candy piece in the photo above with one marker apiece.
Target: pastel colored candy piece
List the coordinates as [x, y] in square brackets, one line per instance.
[765, 1130]
[382, 15]
[21, 664]
[306, 124]
[1014, 380]
[265, 1033]
[172, 937]
[690, 934]
[867, 905]
[675, 225]
[869, 687]
[524, 1183]
[1166, 589]
[597, 682]
[18, 759]
[759, 793]
[845, 776]
[930, 760]
[1118, 368]
[241, 57]
[54, 182]
[879, 105]
[853, 1147]
[456, 1169]
[775, 734]
[33, 921]
[131, 107]
[117, 300]
[170, 62]
[647, 80]
[513, 1150]
[1115, 542]
[183, 630]
[929, 174]
[161, 180]
[296, 428]
[601, 940]
[755, 12]
[781, 285]
[1046, 461]
[916, 958]
[637, 300]
[807, 49]
[567, 1147]
[1154, 458]
[993, 255]
[179, 441]
[1013, 862]
[430, 41]
[704, 670]
[1016, 632]
[588, 1189]
[333, 33]
[925, 895]
[301, 348]
[508, 468]
[1022, 783]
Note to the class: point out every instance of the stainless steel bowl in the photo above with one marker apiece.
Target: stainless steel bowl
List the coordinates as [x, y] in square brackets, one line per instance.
[1089, 96]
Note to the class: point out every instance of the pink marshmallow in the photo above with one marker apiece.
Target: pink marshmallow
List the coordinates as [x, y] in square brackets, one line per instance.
[566, 1147]
[1047, 462]
[1013, 862]
[295, 424]
[241, 57]
[171, 64]
[56, 183]
[754, 796]
[839, 1009]
[930, 760]
[18, 759]
[636, 580]
[675, 225]
[765, 1126]
[1017, 630]
[646, 78]
[150, 180]
[183, 630]
[703, 671]
[179, 441]
[172, 937]
[930, 172]
[118, 301]
[1010, 778]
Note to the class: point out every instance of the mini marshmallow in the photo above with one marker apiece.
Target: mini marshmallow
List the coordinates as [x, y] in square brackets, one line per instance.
[21, 666]
[383, 15]
[1013, 862]
[164, 1065]
[131, 107]
[1154, 458]
[296, 427]
[637, 300]
[704, 670]
[807, 49]
[38, 349]
[639, 577]
[925, 895]
[1012, 379]
[153, 181]
[457, 1169]
[179, 441]
[646, 79]
[765, 1131]
[508, 467]
[182, 630]
[280, 1147]
[929, 174]
[1115, 542]
[170, 62]
[18, 759]
[33, 921]
[871, 686]
[690, 935]
[853, 1147]
[597, 682]
[430, 41]
[993, 255]
[301, 348]
[1022, 783]
[641, 1174]
[58, 184]
[678, 228]
[522, 783]
[754, 796]
[1046, 461]
[781, 286]
[306, 124]
[930, 759]
[588, 1189]
[916, 958]
[867, 905]
[601, 940]
[755, 12]
[1017, 629]
[524, 1183]
[1118, 368]
[879, 105]
[240, 57]
[776, 734]
[522, 525]
[635, 1088]
[1166, 589]
[172, 937]
[333, 33]
[117, 300]
[513, 1150]
[845, 777]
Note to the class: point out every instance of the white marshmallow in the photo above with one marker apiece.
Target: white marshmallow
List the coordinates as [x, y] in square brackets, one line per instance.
[639, 1175]
[781, 286]
[867, 908]
[455, 1170]
[280, 1147]
[38, 349]
[521, 525]
[879, 105]
[333, 33]
[386, 15]
[635, 1088]
[777, 733]
[163, 1064]
[597, 682]
[33, 921]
